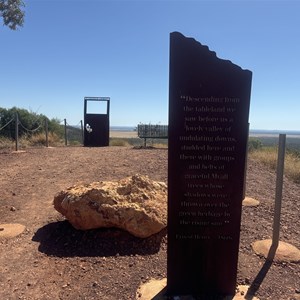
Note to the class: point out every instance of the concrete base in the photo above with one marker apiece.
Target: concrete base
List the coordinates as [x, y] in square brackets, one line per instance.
[11, 230]
[155, 290]
[296, 297]
[250, 202]
[284, 253]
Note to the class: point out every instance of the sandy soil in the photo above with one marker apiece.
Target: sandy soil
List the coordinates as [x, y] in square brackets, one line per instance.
[52, 260]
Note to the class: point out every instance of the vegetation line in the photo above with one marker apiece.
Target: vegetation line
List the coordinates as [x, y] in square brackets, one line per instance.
[263, 149]
[268, 156]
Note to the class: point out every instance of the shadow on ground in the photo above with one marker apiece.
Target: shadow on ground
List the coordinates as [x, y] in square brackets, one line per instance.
[262, 273]
[62, 240]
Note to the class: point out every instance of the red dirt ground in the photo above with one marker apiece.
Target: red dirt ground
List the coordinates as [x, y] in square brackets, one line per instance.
[52, 260]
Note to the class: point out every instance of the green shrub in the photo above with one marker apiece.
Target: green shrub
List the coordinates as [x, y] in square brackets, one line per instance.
[254, 144]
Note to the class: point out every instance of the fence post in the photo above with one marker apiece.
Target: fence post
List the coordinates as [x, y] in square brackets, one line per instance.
[46, 130]
[17, 130]
[82, 136]
[66, 138]
[278, 193]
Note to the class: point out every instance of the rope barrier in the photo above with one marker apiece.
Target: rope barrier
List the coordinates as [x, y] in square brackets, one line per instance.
[6, 124]
[77, 126]
[73, 126]
[30, 130]
[40, 125]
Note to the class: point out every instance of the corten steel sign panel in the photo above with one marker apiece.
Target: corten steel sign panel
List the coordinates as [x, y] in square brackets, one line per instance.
[209, 102]
[96, 125]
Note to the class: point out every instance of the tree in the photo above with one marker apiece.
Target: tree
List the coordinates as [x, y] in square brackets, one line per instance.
[12, 13]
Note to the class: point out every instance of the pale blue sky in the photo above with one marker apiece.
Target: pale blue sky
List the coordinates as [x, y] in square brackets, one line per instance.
[69, 49]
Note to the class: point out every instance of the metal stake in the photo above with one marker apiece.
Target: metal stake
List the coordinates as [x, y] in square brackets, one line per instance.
[278, 194]
[66, 138]
[82, 134]
[46, 129]
[17, 131]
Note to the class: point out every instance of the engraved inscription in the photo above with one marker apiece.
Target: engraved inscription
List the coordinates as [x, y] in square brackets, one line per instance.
[207, 146]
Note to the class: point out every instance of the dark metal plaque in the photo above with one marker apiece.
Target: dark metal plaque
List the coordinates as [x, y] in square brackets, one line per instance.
[209, 102]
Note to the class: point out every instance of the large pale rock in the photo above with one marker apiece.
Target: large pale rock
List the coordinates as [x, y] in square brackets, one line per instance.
[136, 204]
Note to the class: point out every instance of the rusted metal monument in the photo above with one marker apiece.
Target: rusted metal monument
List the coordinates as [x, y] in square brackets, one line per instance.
[209, 102]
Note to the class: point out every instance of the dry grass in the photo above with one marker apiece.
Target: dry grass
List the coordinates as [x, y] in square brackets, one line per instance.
[268, 155]
[292, 164]
[6, 143]
[160, 145]
[37, 140]
[119, 142]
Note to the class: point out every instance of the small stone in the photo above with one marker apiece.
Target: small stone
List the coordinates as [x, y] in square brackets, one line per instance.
[11, 230]
[12, 208]
[284, 252]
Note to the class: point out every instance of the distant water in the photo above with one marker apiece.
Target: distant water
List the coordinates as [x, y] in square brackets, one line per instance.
[252, 131]
[122, 128]
[261, 132]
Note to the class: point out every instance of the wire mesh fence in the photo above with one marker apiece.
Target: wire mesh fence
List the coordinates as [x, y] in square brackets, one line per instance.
[149, 131]
[73, 134]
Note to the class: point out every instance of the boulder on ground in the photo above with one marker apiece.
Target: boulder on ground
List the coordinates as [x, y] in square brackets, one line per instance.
[135, 204]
